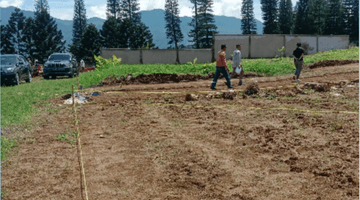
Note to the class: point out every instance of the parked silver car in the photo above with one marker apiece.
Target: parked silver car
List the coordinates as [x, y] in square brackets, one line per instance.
[14, 68]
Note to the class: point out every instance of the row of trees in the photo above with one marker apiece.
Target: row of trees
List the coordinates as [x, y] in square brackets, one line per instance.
[319, 17]
[36, 37]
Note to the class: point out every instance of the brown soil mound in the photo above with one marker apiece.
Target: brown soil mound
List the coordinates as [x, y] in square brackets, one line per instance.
[191, 97]
[326, 63]
[252, 89]
[163, 78]
[229, 95]
[318, 87]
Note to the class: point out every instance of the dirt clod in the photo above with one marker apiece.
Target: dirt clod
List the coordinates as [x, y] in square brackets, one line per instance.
[318, 87]
[191, 97]
[66, 96]
[252, 89]
[229, 95]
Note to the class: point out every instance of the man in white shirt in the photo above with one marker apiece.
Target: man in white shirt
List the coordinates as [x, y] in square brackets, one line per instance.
[82, 65]
[237, 63]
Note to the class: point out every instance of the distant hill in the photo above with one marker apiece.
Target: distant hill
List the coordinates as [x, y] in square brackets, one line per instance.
[154, 19]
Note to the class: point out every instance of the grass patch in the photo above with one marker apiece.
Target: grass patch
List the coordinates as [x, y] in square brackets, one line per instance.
[6, 145]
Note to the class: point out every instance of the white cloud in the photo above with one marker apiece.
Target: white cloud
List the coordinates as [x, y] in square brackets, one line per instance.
[15, 3]
[97, 11]
[185, 11]
[61, 13]
[229, 8]
[151, 4]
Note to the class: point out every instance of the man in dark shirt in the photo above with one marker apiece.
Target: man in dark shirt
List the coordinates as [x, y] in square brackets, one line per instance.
[298, 60]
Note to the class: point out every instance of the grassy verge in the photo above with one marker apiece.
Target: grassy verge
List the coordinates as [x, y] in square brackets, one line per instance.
[6, 145]
[17, 103]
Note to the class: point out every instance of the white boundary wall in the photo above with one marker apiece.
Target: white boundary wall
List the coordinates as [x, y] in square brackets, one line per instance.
[158, 56]
[252, 46]
[266, 46]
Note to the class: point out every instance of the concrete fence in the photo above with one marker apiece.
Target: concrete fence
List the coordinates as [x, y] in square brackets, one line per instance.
[266, 46]
[252, 46]
[158, 56]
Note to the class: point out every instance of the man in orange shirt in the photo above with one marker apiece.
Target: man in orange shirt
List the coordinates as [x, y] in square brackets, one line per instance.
[221, 67]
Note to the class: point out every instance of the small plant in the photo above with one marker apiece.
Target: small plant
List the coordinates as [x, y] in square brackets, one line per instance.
[67, 164]
[147, 46]
[75, 134]
[167, 96]
[62, 137]
[202, 135]
[72, 141]
[101, 62]
[193, 63]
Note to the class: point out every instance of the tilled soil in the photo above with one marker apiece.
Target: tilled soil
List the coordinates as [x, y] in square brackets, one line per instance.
[149, 142]
[327, 63]
[164, 78]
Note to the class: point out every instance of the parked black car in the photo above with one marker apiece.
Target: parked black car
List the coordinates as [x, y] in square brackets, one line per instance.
[14, 68]
[60, 64]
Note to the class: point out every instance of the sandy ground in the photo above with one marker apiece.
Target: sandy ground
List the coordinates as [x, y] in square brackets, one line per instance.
[145, 142]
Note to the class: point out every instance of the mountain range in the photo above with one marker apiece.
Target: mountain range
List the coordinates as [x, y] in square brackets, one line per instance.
[154, 19]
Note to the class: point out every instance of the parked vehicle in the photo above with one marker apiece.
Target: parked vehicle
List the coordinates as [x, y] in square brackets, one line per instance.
[60, 64]
[14, 68]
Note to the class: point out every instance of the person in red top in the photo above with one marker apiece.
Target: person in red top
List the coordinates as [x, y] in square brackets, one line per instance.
[221, 67]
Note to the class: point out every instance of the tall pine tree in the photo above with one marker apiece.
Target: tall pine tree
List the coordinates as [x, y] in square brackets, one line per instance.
[113, 9]
[130, 10]
[172, 19]
[79, 20]
[355, 21]
[41, 5]
[285, 16]
[270, 16]
[27, 38]
[318, 10]
[15, 28]
[90, 42]
[335, 22]
[140, 36]
[302, 20]
[124, 32]
[6, 46]
[195, 23]
[109, 33]
[79, 24]
[47, 39]
[207, 23]
[248, 23]
[352, 20]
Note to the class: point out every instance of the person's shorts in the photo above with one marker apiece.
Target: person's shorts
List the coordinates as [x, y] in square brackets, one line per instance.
[234, 66]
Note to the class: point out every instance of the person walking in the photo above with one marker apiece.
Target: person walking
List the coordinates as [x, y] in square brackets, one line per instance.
[221, 67]
[237, 63]
[82, 65]
[298, 60]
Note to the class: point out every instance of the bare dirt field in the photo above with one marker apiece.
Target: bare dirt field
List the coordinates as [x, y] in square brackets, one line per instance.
[145, 141]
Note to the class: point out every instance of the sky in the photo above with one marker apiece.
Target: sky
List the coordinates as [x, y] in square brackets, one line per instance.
[64, 9]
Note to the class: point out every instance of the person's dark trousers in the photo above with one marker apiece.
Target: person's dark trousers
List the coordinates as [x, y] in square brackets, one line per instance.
[224, 72]
[298, 65]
